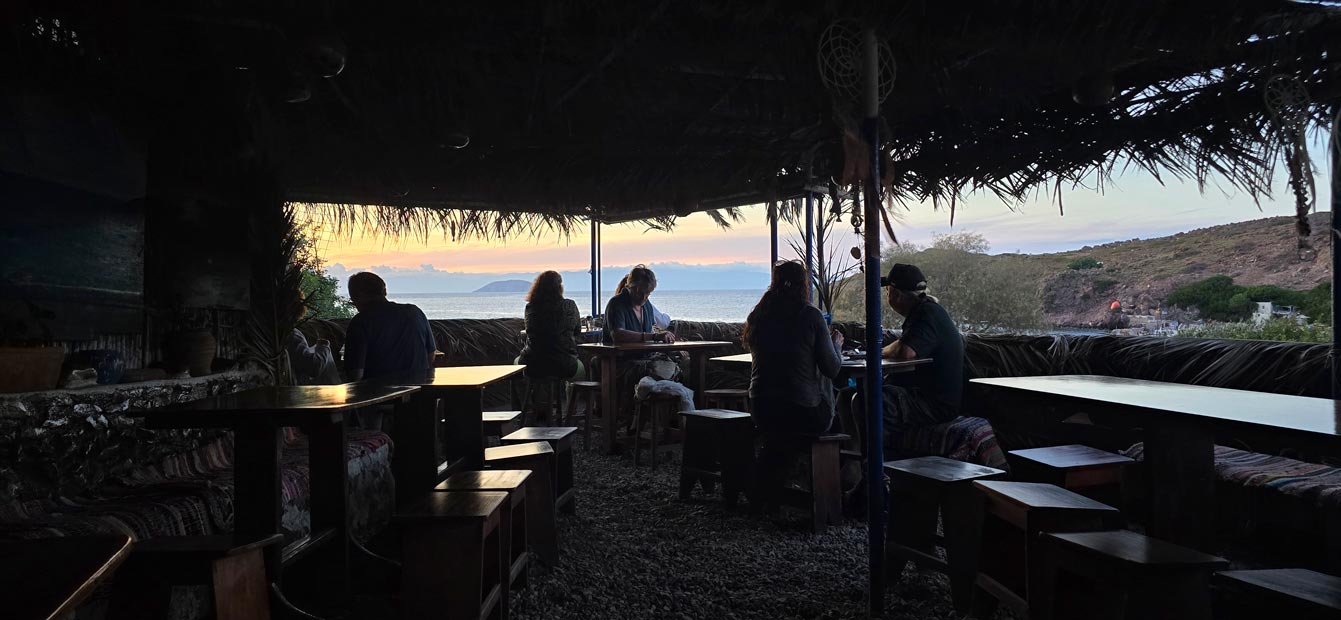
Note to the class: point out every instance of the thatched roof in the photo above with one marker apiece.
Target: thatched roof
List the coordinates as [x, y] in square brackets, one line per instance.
[638, 110]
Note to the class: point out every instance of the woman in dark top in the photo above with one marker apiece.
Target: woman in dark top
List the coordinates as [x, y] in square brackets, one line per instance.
[796, 356]
[552, 324]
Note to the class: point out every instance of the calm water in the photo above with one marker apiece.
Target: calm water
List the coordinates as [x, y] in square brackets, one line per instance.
[680, 305]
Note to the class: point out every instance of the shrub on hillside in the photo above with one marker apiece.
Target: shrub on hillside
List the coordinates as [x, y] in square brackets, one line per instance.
[1278, 329]
[1085, 262]
[1217, 298]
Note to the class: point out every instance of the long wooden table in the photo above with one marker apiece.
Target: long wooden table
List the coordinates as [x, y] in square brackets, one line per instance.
[257, 418]
[855, 369]
[47, 579]
[418, 465]
[1179, 424]
[609, 356]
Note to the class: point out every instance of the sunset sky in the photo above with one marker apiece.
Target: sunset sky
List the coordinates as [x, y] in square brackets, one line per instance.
[1137, 207]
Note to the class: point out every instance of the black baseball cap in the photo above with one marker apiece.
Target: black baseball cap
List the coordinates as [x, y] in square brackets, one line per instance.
[905, 278]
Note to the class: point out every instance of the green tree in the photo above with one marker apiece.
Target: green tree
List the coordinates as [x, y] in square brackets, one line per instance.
[981, 292]
[1217, 298]
[322, 290]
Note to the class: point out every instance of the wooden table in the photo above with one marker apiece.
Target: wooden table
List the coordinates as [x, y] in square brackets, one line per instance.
[257, 418]
[418, 465]
[609, 355]
[1180, 423]
[855, 369]
[49, 578]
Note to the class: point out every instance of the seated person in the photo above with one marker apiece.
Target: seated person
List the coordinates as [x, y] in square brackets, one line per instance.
[795, 358]
[385, 339]
[931, 394]
[552, 324]
[311, 364]
[629, 316]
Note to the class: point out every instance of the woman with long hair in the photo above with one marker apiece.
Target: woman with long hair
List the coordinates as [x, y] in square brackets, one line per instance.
[552, 325]
[630, 316]
[795, 356]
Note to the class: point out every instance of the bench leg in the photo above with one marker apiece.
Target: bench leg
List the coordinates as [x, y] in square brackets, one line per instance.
[443, 574]
[962, 513]
[825, 485]
[692, 457]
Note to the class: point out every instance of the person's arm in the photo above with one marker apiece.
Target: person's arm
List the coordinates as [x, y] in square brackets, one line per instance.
[660, 319]
[305, 360]
[898, 350]
[827, 357]
[628, 335]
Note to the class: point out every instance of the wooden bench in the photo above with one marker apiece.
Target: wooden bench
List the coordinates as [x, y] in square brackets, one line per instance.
[718, 448]
[1092, 472]
[536, 457]
[455, 565]
[233, 566]
[512, 482]
[1128, 575]
[560, 439]
[1017, 512]
[727, 398]
[924, 489]
[499, 423]
[591, 394]
[1294, 593]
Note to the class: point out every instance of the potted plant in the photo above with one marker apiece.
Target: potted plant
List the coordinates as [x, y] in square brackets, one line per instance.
[29, 361]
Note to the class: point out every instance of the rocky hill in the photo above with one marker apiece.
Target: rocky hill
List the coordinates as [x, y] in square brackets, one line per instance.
[1140, 273]
[505, 286]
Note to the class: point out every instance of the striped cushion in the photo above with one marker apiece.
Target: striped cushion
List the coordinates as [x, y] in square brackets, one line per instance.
[963, 439]
[192, 494]
[1312, 482]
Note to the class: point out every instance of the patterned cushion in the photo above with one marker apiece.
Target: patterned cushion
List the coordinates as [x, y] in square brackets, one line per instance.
[1311, 482]
[962, 439]
[192, 494]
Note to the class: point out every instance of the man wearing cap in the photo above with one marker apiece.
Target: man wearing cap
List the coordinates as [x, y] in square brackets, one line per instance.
[931, 394]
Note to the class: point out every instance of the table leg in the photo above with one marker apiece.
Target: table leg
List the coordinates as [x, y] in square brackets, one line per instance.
[698, 366]
[609, 401]
[329, 489]
[1180, 468]
[257, 492]
[465, 426]
[415, 435]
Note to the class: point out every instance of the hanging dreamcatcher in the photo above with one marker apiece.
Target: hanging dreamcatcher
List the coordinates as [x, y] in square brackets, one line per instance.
[840, 62]
[1288, 103]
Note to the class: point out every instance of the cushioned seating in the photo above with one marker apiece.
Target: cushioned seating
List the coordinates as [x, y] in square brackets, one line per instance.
[1312, 482]
[967, 439]
[191, 494]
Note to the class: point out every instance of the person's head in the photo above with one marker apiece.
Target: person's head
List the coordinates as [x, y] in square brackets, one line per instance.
[548, 285]
[907, 287]
[366, 289]
[789, 289]
[639, 284]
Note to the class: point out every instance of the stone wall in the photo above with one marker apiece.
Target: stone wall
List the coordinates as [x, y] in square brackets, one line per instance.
[67, 442]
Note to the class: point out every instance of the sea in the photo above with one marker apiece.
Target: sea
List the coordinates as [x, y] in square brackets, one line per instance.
[720, 305]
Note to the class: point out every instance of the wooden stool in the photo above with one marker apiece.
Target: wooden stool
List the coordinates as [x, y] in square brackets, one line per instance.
[591, 392]
[1293, 593]
[718, 447]
[235, 567]
[560, 439]
[513, 482]
[537, 457]
[555, 408]
[658, 409]
[1017, 513]
[825, 498]
[455, 565]
[1135, 577]
[1089, 471]
[923, 489]
[499, 423]
[727, 398]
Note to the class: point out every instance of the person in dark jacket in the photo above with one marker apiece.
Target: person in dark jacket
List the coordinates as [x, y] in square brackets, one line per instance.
[552, 325]
[795, 358]
[931, 394]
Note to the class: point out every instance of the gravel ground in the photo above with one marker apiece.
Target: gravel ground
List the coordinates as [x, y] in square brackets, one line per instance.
[635, 550]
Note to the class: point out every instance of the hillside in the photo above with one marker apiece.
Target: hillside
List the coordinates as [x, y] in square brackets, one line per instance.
[505, 286]
[1140, 273]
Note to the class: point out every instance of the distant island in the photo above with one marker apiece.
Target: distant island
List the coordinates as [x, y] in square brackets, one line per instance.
[505, 286]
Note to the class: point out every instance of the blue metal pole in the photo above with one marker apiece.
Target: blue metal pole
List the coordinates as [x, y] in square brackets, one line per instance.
[875, 439]
[595, 274]
[773, 239]
[810, 243]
